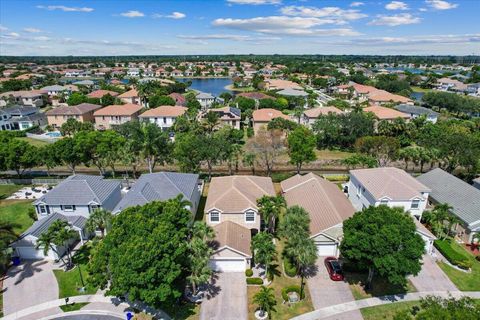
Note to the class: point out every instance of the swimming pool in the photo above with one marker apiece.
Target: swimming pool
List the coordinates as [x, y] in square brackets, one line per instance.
[54, 134]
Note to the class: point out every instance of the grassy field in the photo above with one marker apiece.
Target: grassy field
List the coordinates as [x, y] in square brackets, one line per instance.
[418, 89]
[34, 142]
[6, 190]
[73, 306]
[16, 212]
[380, 287]
[388, 311]
[463, 281]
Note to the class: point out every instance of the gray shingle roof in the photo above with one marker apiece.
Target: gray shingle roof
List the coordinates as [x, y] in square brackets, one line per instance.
[80, 190]
[407, 108]
[158, 187]
[446, 188]
[42, 225]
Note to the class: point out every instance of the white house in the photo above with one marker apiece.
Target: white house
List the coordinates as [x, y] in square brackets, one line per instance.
[55, 90]
[387, 186]
[163, 116]
[205, 99]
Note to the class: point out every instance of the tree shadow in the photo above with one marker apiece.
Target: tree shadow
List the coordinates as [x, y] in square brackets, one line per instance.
[27, 270]
[212, 289]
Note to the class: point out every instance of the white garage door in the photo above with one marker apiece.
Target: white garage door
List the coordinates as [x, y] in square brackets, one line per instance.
[324, 250]
[233, 265]
[30, 253]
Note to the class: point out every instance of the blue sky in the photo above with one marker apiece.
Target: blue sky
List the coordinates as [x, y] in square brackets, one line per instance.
[121, 27]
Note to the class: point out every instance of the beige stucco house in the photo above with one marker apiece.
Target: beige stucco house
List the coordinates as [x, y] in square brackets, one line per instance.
[82, 113]
[116, 115]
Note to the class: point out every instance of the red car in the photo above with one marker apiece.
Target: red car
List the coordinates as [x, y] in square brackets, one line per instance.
[334, 269]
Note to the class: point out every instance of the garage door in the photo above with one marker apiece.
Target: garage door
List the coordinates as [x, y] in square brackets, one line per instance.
[233, 265]
[30, 253]
[326, 249]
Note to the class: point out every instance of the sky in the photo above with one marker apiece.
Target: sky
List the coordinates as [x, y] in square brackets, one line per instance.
[186, 27]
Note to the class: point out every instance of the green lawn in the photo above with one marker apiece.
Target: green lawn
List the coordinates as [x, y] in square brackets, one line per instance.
[6, 190]
[418, 89]
[387, 311]
[73, 306]
[464, 281]
[16, 212]
[34, 142]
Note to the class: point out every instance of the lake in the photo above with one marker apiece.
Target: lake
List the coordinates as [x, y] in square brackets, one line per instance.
[214, 86]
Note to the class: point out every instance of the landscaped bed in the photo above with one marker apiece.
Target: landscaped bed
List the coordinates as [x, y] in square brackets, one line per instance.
[456, 256]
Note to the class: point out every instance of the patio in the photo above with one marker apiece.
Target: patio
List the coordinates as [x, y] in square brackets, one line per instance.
[25, 193]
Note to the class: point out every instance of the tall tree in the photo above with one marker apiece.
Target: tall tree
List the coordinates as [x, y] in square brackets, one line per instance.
[267, 145]
[199, 255]
[264, 250]
[265, 299]
[99, 219]
[301, 147]
[270, 208]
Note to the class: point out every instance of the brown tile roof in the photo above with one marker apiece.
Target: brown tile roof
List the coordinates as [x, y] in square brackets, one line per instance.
[267, 114]
[165, 111]
[101, 93]
[255, 95]
[73, 110]
[385, 96]
[235, 194]
[180, 100]
[389, 182]
[282, 84]
[234, 236]
[119, 110]
[325, 203]
[129, 94]
[316, 112]
[384, 113]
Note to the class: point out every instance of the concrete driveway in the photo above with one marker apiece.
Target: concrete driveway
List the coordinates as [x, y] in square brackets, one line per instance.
[432, 278]
[325, 292]
[228, 298]
[29, 284]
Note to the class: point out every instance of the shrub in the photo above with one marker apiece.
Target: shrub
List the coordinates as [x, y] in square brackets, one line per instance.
[249, 272]
[255, 281]
[292, 288]
[478, 258]
[454, 257]
[290, 269]
[250, 132]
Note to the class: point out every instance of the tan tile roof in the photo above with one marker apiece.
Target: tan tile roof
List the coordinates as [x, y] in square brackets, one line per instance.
[234, 236]
[119, 110]
[385, 96]
[389, 182]
[325, 203]
[101, 93]
[267, 114]
[421, 228]
[235, 194]
[384, 113]
[316, 112]
[282, 84]
[255, 95]
[129, 94]
[165, 111]
[73, 110]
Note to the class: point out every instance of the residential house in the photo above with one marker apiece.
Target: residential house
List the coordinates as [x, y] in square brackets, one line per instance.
[99, 94]
[82, 113]
[21, 118]
[33, 98]
[262, 117]
[130, 97]
[374, 96]
[163, 116]
[327, 207]
[205, 99]
[311, 115]
[56, 90]
[25, 122]
[112, 115]
[473, 89]
[385, 114]
[418, 111]
[289, 92]
[234, 198]
[461, 196]
[5, 123]
[278, 84]
[387, 186]
[227, 116]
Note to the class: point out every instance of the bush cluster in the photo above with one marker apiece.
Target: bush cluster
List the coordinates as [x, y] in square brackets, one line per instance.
[255, 281]
[290, 269]
[249, 272]
[292, 288]
[454, 257]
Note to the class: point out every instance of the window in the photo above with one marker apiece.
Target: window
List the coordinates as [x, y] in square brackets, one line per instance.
[384, 202]
[93, 207]
[68, 208]
[214, 216]
[249, 216]
[415, 204]
[42, 209]
[164, 120]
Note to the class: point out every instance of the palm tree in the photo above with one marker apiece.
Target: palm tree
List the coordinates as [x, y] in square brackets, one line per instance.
[100, 219]
[62, 234]
[7, 235]
[263, 249]
[270, 208]
[441, 213]
[304, 253]
[46, 241]
[199, 257]
[265, 299]
[203, 231]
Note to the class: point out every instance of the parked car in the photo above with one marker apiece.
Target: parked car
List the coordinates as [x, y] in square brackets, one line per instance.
[334, 268]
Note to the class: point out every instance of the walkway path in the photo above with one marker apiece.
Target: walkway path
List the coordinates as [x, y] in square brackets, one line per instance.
[372, 302]
[95, 301]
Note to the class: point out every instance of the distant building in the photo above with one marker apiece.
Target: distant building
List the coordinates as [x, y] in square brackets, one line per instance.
[163, 116]
[131, 97]
[228, 116]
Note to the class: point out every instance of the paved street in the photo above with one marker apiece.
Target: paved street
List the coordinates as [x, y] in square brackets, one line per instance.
[229, 300]
[29, 284]
[325, 292]
[432, 278]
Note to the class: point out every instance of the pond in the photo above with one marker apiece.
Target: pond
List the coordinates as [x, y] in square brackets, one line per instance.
[417, 95]
[214, 86]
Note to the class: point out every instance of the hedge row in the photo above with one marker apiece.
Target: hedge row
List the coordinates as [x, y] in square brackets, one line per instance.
[292, 288]
[454, 257]
[290, 269]
[255, 281]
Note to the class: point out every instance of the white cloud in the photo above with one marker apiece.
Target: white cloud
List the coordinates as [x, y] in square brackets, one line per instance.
[233, 37]
[2, 28]
[295, 26]
[396, 5]
[339, 16]
[173, 15]
[423, 9]
[41, 38]
[441, 5]
[11, 35]
[66, 9]
[255, 2]
[395, 20]
[32, 30]
[415, 40]
[132, 14]
[356, 4]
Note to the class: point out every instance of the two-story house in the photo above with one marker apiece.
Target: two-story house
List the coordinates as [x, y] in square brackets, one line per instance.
[163, 116]
[130, 97]
[113, 115]
[387, 186]
[82, 113]
[227, 116]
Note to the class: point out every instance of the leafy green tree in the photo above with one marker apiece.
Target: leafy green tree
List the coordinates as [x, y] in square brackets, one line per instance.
[156, 147]
[301, 147]
[76, 98]
[67, 153]
[15, 85]
[384, 241]
[99, 219]
[265, 299]
[282, 124]
[145, 253]
[248, 160]
[383, 148]
[435, 307]
[7, 236]
[18, 155]
[159, 100]
[188, 152]
[72, 126]
[360, 160]
[59, 234]
[264, 250]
